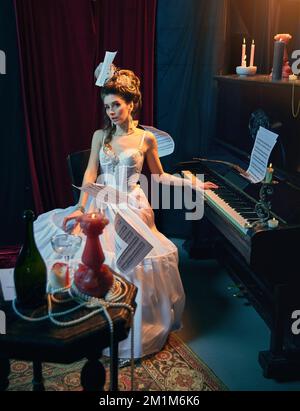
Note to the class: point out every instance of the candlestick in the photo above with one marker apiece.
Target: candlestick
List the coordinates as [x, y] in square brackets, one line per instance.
[244, 57]
[273, 223]
[278, 60]
[269, 174]
[252, 54]
[93, 277]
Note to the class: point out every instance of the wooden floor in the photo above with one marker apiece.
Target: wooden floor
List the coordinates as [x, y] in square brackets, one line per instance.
[224, 331]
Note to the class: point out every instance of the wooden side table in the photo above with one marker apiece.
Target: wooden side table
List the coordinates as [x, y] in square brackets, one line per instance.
[45, 342]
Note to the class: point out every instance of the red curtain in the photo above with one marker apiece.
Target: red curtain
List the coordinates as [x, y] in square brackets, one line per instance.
[60, 43]
[128, 26]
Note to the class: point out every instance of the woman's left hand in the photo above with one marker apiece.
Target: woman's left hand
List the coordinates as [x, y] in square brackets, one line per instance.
[208, 185]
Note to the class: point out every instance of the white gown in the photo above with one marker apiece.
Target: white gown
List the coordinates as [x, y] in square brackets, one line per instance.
[160, 297]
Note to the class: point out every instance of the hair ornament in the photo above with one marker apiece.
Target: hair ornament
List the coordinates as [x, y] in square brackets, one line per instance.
[105, 70]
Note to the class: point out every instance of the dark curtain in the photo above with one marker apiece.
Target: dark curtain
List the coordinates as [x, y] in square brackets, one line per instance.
[129, 28]
[57, 47]
[191, 40]
[61, 42]
[190, 49]
[14, 171]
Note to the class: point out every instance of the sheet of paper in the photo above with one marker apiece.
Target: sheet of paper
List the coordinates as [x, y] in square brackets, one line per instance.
[105, 68]
[104, 194]
[165, 142]
[131, 246]
[264, 143]
[7, 285]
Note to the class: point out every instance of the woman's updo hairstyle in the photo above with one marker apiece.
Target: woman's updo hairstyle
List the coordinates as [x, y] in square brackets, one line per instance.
[125, 84]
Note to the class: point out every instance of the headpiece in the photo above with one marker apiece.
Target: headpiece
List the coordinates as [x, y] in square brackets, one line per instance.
[106, 69]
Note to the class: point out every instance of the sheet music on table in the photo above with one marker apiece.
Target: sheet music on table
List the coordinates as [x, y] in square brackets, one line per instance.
[264, 143]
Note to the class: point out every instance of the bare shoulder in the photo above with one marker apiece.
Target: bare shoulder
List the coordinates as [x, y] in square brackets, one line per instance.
[98, 138]
[150, 140]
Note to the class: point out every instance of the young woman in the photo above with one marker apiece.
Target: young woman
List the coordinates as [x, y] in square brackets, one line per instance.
[122, 149]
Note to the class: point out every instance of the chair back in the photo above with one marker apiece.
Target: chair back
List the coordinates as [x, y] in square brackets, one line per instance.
[77, 163]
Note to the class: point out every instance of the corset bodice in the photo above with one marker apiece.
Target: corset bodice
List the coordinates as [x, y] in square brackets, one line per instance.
[122, 170]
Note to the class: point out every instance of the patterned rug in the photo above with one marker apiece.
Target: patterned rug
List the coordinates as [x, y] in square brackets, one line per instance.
[175, 368]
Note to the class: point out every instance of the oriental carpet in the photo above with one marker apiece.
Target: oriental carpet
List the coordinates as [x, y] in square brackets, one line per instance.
[175, 368]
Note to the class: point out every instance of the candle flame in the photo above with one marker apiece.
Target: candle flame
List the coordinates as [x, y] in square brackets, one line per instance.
[244, 40]
[253, 42]
[94, 215]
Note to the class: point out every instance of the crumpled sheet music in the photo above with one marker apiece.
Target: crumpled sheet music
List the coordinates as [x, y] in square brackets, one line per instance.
[264, 143]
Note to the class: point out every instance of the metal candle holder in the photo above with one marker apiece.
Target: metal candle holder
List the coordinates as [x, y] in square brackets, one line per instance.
[263, 207]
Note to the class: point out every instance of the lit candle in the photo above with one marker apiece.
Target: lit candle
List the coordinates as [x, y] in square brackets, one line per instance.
[269, 174]
[273, 223]
[252, 54]
[278, 60]
[244, 63]
[93, 277]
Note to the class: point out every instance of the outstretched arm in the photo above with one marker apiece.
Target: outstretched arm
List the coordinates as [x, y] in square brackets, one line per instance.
[90, 175]
[159, 174]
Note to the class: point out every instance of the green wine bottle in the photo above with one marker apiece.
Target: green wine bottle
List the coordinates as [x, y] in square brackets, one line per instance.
[30, 272]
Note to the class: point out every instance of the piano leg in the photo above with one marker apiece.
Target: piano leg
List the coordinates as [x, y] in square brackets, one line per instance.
[279, 363]
[202, 243]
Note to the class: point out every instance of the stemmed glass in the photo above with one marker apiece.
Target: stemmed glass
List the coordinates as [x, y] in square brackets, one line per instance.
[66, 245]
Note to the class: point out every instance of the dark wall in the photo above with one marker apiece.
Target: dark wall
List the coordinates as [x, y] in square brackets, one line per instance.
[14, 172]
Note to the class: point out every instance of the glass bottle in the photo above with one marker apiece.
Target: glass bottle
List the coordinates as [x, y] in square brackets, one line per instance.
[30, 272]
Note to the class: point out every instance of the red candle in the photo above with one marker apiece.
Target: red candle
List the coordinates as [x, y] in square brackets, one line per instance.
[93, 277]
[92, 225]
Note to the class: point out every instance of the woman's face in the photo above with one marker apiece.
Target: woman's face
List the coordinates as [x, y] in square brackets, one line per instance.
[117, 109]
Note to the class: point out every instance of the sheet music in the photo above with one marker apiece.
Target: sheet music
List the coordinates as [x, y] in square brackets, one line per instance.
[104, 194]
[131, 246]
[7, 284]
[165, 142]
[105, 68]
[264, 143]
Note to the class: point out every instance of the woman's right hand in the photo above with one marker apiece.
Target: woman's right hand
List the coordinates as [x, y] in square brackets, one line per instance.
[72, 216]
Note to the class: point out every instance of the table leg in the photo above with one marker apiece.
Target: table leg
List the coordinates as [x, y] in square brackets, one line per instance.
[114, 366]
[38, 381]
[4, 373]
[93, 375]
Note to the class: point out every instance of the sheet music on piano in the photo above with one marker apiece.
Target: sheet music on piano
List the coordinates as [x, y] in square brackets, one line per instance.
[264, 143]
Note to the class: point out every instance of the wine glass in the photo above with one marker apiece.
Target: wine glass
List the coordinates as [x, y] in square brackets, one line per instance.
[66, 245]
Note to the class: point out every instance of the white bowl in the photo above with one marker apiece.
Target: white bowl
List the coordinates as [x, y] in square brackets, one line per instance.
[246, 71]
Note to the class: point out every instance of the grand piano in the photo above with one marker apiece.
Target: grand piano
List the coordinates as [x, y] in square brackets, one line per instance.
[263, 262]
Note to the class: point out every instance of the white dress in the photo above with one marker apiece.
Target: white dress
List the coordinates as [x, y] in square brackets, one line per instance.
[160, 297]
